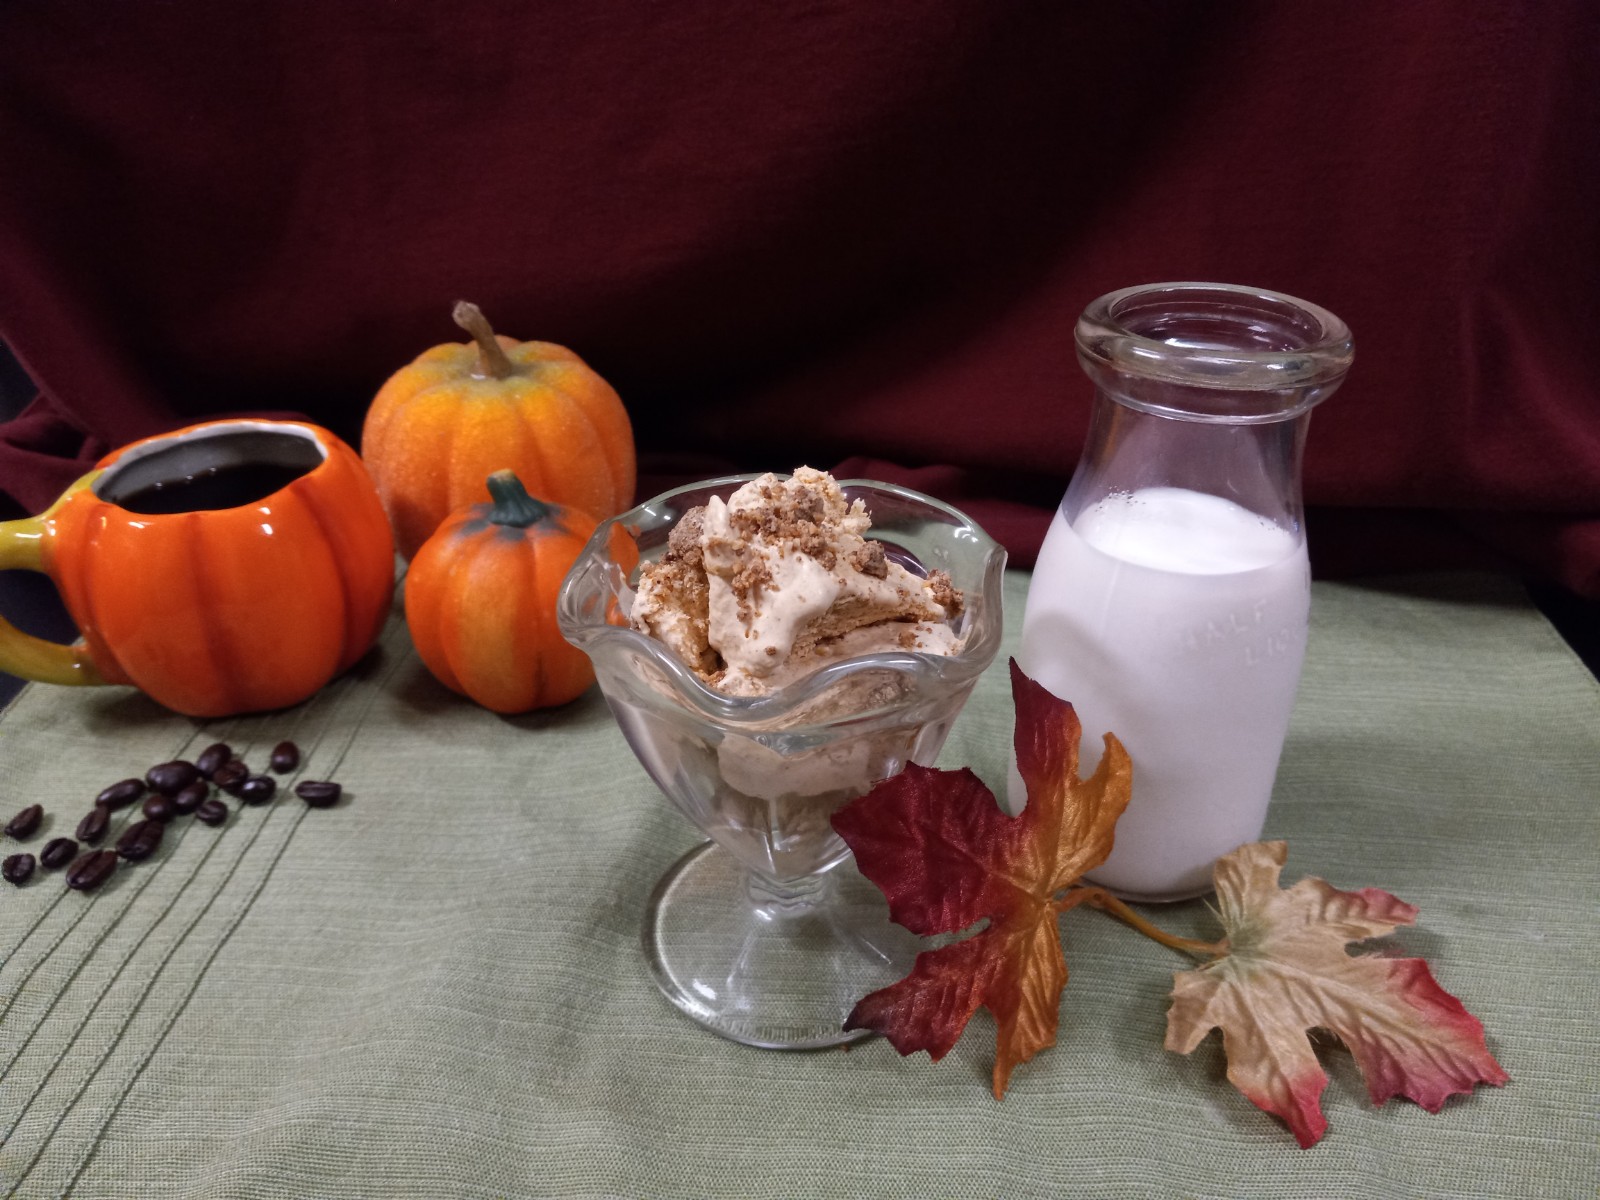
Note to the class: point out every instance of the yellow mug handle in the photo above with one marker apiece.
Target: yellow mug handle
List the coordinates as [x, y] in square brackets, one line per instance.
[21, 548]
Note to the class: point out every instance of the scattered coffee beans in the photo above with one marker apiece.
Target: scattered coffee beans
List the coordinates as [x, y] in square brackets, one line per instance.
[90, 870]
[230, 775]
[57, 853]
[93, 827]
[318, 793]
[17, 869]
[190, 798]
[257, 789]
[212, 757]
[169, 778]
[25, 822]
[120, 795]
[168, 790]
[285, 757]
[139, 842]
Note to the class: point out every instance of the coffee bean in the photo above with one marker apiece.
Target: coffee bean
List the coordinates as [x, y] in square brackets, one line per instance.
[139, 842]
[191, 798]
[93, 827]
[212, 757]
[317, 793]
[285, 757]
[258, 789]
[230, 774]
[17, 869]
[58, 852]
[159, 807]
[212, 812]
[25, 822]
[120, 795]
[90, 870]
[169, 778]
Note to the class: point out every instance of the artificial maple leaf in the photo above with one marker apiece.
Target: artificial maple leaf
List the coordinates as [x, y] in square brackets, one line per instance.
[946, 856]
[1284, 971]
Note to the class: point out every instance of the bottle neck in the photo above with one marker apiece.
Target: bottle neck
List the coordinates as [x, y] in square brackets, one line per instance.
[1130, 449]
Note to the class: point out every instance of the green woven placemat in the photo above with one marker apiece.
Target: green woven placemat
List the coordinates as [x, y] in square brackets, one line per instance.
[436, 989]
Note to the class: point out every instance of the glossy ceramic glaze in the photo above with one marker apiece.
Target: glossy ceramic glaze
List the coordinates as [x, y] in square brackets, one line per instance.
[220, 610]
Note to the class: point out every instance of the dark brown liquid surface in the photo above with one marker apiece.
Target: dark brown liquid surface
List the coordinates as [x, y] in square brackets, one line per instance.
[215, 487]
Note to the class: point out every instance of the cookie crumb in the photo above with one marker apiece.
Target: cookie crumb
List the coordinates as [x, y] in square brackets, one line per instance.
[945, 594]
[870, 560]
[683, 543]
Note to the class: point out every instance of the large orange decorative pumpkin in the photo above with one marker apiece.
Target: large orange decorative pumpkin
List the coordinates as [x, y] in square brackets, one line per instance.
[460, 412]
[230, 567]
[481, 600]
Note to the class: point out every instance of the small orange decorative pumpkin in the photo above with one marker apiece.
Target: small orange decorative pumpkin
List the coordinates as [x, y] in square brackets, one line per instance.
[481, 600]
[458, 413]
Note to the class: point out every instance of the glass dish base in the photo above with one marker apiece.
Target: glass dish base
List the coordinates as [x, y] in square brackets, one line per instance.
[768, 964]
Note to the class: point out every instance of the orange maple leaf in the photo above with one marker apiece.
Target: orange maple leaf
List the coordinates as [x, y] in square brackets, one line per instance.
[946, 856]
[1285, 971]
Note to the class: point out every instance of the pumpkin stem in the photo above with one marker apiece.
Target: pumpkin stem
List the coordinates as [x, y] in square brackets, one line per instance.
[492, 360]
[512, 504]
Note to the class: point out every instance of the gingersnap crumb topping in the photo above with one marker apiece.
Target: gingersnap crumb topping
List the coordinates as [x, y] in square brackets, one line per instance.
[683, 543]
[715, 595]
[945, 594]
[751, 576]
[794, 520]
[870, 560]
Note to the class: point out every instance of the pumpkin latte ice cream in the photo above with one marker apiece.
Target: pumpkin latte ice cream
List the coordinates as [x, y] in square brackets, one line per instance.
[773, 647]
[761, 590]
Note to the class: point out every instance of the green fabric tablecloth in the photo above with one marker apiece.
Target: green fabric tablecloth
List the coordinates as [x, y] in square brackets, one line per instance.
[436, 988]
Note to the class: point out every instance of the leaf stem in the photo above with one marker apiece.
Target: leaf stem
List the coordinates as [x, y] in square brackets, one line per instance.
[1099, 898]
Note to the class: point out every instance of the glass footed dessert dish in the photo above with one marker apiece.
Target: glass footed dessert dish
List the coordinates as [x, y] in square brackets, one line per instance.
[767, 934]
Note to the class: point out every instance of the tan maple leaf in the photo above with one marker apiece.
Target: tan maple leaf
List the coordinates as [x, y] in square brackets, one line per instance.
[1285, 971]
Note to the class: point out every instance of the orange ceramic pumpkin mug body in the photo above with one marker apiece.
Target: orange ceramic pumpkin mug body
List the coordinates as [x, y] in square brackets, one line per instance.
[232, 566]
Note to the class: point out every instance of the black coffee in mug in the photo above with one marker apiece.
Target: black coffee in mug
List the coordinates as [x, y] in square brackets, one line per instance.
[211, 487]
[224, 470]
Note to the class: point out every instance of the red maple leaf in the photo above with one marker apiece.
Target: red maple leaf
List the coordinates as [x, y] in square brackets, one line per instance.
[946, 856]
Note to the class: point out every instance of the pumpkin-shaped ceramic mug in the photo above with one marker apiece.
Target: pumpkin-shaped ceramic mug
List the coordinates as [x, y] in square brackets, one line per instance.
[232, 566]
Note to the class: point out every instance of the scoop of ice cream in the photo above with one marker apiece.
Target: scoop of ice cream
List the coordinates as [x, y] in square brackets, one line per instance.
[764, 588]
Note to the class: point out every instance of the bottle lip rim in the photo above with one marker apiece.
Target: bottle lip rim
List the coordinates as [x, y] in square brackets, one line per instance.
[1107, 337]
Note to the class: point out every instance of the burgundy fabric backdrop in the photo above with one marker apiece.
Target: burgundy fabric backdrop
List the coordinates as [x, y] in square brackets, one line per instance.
[818, 232]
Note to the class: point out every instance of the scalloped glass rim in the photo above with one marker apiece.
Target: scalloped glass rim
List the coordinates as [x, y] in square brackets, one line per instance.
[984, 624]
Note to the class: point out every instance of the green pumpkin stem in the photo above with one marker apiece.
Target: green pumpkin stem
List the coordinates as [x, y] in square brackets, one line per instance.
[512, 504]
[492, 360]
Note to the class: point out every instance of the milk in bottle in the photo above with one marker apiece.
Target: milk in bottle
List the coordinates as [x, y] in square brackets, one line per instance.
[1176, 620]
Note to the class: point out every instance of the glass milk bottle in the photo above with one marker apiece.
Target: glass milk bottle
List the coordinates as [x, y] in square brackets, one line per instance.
[1170, 598]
